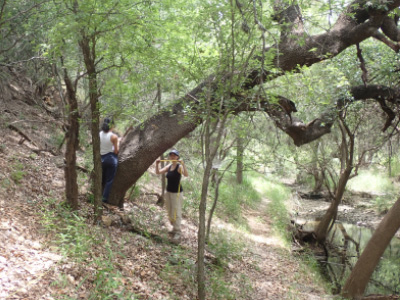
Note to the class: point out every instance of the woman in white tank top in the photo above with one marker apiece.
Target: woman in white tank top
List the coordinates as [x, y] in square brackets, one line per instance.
[109, 159]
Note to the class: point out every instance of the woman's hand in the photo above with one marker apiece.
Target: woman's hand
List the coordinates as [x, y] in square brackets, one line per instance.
[158, 161]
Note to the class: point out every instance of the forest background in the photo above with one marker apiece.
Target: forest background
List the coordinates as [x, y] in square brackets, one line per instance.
[233, 85]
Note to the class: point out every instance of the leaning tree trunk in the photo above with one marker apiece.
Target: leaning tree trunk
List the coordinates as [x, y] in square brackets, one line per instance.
[347, 154]
[356, 283]
[141, 146]
[330, 215]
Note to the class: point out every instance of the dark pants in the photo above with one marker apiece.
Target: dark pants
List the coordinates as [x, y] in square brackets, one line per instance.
[109, 163]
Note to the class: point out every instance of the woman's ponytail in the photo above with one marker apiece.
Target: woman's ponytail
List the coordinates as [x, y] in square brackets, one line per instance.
[106, 124]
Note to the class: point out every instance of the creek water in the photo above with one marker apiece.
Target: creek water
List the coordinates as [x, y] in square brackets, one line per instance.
[345, 243]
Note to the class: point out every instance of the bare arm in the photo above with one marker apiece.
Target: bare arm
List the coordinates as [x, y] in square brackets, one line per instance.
[114, 141]
[163, 170]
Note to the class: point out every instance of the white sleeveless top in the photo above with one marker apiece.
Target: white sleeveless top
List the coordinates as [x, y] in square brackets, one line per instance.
[106, 146]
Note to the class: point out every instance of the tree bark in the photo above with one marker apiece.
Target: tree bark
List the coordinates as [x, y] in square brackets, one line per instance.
[72, 138]
[347, 153]
[213, 207]
[330, 215]
[88, 47]
[160, 202]
[239, 160]
[148, 142]
[356, 283]
[201, 234]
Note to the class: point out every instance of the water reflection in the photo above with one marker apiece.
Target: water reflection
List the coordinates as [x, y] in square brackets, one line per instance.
[345, 243]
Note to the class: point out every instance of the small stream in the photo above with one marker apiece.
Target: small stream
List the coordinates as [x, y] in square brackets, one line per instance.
[345, 243]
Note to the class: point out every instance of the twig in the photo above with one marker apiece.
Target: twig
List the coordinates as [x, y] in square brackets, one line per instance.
[21, 133]
[22, 61]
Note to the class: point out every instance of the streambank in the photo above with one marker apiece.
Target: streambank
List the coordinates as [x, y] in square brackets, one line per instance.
[359, 211]
[354, 227]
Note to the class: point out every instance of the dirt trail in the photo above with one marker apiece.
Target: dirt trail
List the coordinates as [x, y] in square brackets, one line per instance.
[280, 275]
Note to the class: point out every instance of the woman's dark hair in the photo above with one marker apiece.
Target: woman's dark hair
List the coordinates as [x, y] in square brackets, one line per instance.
[107, 124]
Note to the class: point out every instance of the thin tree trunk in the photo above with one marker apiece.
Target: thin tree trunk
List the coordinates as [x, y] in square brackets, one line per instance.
[316, 171]
[218, 180]
[214, 205]
[390, 157]
[210, 152]
[322, 229]
[239, 160]
[357, 281]
[201, 278]
[347, 155]
[88, 47]
[72, 138]
[201, 286]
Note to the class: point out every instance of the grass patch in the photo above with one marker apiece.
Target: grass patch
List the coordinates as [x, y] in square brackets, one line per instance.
[395, 166]
[378, 184]
[382, 204]
[225, 246]
[234, 196]
[373, 182]
[181, 270]
[309, 271]
[18, 172]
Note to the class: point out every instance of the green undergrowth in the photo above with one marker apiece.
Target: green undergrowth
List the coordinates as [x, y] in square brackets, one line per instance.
[309, 270]
[383, 189]
[276, 195]
[225, 248]
[372, 181]
[77, 241]
[233, 197]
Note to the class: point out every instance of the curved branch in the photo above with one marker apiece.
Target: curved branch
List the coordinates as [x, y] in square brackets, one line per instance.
[390, 29]
[302, 133]
[381, 37]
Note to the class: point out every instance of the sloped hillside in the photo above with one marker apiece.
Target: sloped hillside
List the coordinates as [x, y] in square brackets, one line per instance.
[30, 173]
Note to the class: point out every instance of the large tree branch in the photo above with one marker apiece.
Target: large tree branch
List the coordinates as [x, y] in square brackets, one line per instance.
[390, 29]
[358, 23]
[142, 145]
[303, 133]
